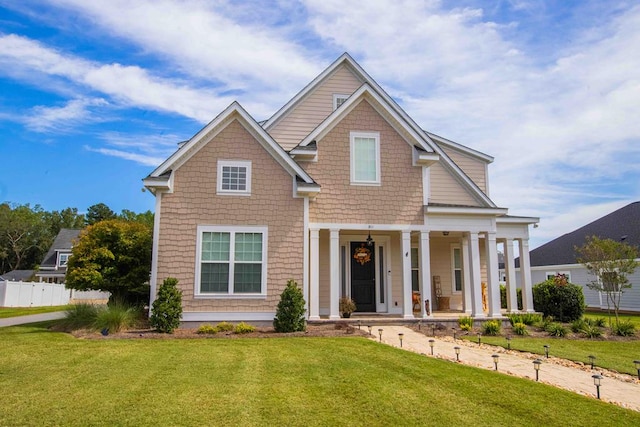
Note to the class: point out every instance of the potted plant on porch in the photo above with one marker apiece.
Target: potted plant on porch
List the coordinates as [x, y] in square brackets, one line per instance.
[347, 306]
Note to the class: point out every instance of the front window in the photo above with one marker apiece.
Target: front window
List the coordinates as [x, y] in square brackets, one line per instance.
[232, 261]
[234, 177]
[63, 259]
[365, 158]
[456, 265]
[415, 270]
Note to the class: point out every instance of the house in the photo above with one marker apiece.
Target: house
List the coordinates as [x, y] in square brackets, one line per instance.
[341, 191]
[17, 275]
[54, 265]
[559, 256]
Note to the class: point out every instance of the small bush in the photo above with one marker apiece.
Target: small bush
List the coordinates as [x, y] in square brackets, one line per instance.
[290, 311]
[503, 297]
[465, 323]
[591, 331]
[520, 329]
[244, 328]
[167, 307]
[578, 325]
[80, 316]
[600, 321]
[545, 322]
[556, 329]
[225, 327]
[491, 327]
[528, 319]
[207, 329]
[555, 297]
[624, 328]
[116, 317]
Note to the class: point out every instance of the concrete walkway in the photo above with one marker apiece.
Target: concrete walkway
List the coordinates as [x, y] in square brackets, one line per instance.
[33, 318]
[620, 389]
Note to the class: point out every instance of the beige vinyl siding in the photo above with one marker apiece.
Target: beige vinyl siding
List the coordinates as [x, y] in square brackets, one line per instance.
[314, 108]
[397, 200]
[473, 168]
[195, 202]
[447, 190]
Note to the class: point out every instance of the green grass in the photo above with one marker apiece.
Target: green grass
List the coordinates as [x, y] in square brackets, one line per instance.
[634, 318]
[616, 355]
[50, 378]
[26, 311]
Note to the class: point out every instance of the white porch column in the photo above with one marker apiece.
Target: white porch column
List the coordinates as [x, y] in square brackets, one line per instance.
[476, 278]
[466, 276]
[314, 280]
[510, 272]
[525, 277]
[334, 278]
[425, 275]
[493, 286]
[407, 303]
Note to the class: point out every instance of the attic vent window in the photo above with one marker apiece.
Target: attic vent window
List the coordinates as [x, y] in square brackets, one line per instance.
[339, 99]
[234, 177]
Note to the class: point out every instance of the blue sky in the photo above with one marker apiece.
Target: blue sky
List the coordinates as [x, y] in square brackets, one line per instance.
[95, 94]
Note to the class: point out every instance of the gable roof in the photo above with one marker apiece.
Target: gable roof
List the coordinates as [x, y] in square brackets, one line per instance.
[620, 225]
[233, 112]
[17, 275]
[371, 87]
[62, 243]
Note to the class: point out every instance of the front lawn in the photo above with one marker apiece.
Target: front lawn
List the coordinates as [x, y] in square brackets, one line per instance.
[50, 378]
[26, 311]
[633, 318]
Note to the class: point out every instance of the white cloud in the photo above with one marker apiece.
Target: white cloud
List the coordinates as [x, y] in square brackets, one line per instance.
[127, 155]
[62, 119]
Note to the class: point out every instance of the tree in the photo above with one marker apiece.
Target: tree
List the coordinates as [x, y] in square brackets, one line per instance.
[23, 237]
[290, 311]
[66, 218]
[113, 256]
[167, 307]
[144, 217]
[99, 212]
[611, 263]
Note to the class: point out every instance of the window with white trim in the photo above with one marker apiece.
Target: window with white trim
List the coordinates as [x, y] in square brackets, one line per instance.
[63, 259]
[552, 274]
[234, 177]
[231, 261]
[415, 270]
[339, 99]
[365, 158]
[456, 269]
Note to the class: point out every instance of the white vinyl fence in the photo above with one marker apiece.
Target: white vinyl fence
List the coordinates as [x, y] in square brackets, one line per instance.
[39, 294]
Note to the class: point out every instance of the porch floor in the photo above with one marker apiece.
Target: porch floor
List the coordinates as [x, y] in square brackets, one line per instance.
[447, 318]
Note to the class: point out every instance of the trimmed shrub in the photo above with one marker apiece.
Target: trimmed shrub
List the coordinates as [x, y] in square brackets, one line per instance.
[556, 329]
[225, 327]
[491, 327]
[207, 329]
[554, 297]
[290, 311]
[528, 319]
[116, 317]
[244, 328]
[503, 297]
[465, 323]
[624, 328]
[80, 316]
[167, 308]
[520, 329]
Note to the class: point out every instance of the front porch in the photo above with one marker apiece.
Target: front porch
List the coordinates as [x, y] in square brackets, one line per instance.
[407, 274]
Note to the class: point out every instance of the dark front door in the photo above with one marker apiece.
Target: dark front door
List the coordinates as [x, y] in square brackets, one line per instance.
[363, 276]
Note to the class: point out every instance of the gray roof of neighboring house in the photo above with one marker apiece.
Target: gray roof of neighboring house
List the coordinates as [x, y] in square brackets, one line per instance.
[620, 225]
[17, 275]
[64, 241]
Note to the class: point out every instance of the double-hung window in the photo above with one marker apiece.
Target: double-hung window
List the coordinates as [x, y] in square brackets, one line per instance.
[234, 177]
[365, 158]
[63, 259]
[231, 261]
[456, 269]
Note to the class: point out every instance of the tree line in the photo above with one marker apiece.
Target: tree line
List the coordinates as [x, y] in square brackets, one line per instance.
[27, 233]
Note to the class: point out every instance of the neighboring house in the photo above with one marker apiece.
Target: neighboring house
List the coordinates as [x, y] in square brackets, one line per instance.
[54, 265]
[341, 191]
[17, 275]
[559, 255]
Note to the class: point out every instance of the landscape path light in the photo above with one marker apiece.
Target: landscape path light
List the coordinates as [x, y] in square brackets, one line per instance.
[592, 360]
[400, 335]
[369, 326]
[479, 337]
[546, 350]
[637, 363]
[433, 329]
[454, 333]
[457, 350]
[495, 357]
[508, 342]
[431, 344]
[380, 333]
[596, 381]
[536, 366]
[358, 324]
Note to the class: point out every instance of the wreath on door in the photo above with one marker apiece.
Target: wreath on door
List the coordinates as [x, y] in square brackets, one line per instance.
[362, 255]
